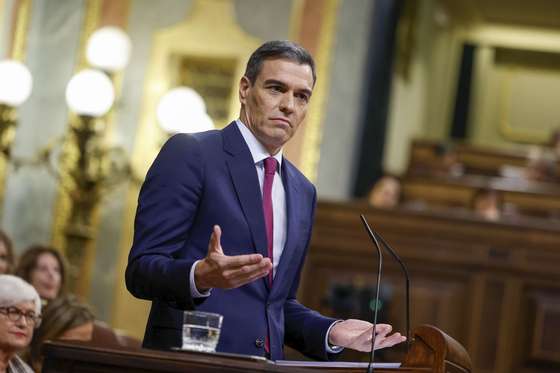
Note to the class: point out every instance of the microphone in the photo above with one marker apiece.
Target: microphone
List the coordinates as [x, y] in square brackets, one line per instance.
[379, 268]
[407, 279]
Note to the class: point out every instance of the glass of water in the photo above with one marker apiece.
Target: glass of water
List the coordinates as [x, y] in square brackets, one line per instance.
[201, 330]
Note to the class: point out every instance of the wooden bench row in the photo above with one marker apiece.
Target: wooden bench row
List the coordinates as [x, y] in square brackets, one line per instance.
[478, 160]
[527, 198]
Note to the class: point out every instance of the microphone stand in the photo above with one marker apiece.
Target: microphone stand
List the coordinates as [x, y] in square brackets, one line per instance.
[407, 288]
[379, 268]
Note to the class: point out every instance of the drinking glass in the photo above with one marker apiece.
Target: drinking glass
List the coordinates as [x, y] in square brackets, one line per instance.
[201, 330]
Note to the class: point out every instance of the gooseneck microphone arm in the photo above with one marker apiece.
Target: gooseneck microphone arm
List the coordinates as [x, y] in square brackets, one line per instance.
[379, 268]
[407, 290]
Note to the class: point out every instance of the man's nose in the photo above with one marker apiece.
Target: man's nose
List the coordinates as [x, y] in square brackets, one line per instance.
[287, 103]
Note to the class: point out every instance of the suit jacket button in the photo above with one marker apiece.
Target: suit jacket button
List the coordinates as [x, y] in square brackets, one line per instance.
[259, 343]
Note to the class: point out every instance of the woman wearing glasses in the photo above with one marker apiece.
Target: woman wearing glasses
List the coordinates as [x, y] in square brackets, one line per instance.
[20, 314]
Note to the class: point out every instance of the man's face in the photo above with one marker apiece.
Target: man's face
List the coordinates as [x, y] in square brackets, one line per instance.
[276, 104]
[16, 335]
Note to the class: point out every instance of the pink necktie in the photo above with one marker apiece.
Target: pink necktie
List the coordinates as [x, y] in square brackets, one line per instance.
[270, 165]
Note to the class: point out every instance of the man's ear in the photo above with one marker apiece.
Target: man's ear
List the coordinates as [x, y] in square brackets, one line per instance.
[244, 86]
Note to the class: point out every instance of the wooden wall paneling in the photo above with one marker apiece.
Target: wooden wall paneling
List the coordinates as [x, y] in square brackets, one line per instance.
[476, 300]
[489, 325]
[475, 279]
[509, 316]
[545, 344]
[536, 345]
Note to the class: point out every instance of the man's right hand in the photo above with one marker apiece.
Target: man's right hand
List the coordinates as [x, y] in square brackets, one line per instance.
[218, 270]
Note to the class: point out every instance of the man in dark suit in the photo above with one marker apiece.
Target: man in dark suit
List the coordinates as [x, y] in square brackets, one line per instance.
[224, 222]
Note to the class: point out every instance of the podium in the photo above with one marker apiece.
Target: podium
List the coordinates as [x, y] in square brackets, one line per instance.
[431, 351]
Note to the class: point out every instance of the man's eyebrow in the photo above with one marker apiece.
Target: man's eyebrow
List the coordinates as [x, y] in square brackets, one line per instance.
[280, 83]
[274, 81]
[305, 91]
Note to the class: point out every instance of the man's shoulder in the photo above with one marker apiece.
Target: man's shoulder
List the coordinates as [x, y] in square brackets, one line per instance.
[187, 142]
[296, 174]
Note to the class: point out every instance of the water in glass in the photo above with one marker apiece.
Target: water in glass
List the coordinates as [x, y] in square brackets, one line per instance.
[200, 337]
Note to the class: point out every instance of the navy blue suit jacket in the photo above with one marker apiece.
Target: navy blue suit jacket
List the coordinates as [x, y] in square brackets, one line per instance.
[198, 181]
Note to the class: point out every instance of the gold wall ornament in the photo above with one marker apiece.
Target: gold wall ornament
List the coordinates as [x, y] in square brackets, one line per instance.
[198, 37]
[89, 169]
[83, 175]
[8, 120]
[21, 28]
[7, 132]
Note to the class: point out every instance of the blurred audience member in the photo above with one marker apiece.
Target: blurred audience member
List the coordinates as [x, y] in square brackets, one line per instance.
[555, 143]
[20, 313]
[541, 166]
[487, 203]
[385, 193]
[44, 268]
[6, 254]
[64, 318]
[448, 163]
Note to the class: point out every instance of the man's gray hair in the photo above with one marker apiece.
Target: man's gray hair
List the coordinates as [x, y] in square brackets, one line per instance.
[14, 290]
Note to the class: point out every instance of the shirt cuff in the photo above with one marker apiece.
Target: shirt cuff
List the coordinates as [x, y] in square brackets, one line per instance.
[194, 291]
[332, 349]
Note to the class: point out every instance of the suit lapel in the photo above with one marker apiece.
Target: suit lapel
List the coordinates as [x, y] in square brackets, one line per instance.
[292, 235]
[246, 183]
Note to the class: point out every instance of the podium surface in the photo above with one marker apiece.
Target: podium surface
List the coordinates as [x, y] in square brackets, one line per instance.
[431, 351]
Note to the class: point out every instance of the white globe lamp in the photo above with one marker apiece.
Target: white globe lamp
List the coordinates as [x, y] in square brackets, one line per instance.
[15, 83]
[182, 110]
[108, 49]
[90, 93]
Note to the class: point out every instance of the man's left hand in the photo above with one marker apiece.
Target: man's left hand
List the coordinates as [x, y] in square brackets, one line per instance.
[356, 335]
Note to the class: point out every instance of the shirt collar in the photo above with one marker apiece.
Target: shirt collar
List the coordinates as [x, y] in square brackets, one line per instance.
[258, 151]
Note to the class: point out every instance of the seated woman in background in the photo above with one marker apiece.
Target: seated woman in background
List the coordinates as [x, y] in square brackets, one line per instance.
[20, 313]
[487, 203]
[44, 268]
[64, 318]
[6, 254]
[386, 193]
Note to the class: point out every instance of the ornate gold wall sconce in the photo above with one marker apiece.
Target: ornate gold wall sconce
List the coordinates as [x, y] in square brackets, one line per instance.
[87, 165]
[82, 164]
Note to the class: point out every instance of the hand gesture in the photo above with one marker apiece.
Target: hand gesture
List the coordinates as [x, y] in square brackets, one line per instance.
[356, 334]
[218, 270]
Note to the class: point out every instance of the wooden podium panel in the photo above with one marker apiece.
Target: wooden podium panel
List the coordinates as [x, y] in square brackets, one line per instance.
[431, 351]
